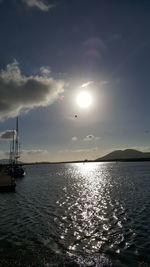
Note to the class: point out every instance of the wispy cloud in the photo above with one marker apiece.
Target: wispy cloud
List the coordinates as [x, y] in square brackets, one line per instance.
[74, 138]
[45, 70]
[85, 85]
[88, 137]
[91, 137]
[40, 4]
[93, 149]
[19, 92]
[33, 152]
[79, 150]
[7, 135]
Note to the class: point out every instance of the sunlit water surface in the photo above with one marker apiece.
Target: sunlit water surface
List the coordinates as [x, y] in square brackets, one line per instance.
[92, 214]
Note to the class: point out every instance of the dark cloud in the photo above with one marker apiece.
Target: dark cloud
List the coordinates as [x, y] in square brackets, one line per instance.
[19, 92]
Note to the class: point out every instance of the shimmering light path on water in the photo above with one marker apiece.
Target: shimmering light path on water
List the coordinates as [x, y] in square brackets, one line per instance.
[92, 214]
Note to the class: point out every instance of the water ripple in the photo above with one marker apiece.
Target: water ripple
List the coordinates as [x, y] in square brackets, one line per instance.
[92, 214]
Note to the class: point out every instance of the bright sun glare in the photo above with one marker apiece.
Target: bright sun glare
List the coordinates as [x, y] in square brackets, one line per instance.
[84, 99]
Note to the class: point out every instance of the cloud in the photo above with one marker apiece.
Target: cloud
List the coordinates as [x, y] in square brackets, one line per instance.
[91, 137]
[40, 4]
[33, 152]
[21, 93]
[85, 85]
[45, 70]
[80, 150]
[88, 137]
[7, 135]
[74, 138]
[84, 150]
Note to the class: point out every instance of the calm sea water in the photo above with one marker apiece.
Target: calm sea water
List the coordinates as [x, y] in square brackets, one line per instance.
[92, 214]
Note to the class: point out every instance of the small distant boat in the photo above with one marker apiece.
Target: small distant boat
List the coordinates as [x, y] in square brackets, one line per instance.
[16, 169]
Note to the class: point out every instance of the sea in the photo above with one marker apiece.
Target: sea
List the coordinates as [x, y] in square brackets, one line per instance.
[77, 214]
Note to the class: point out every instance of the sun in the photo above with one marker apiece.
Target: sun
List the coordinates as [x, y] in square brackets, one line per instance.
[84, 99]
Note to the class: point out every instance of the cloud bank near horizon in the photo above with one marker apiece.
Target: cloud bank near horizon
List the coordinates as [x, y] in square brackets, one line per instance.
[21, 93]
[33, 152]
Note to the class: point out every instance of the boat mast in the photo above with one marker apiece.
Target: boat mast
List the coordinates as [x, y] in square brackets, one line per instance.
[17, 142]
[13, 148]
[10, 154]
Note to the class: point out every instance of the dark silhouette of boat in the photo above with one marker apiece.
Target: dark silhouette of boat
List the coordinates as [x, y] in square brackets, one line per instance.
[16, 169]
[7, 181]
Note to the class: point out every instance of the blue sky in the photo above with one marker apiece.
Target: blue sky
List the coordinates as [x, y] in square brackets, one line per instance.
[48, 50]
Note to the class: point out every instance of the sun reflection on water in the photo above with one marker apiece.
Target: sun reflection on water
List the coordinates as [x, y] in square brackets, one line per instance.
[84, 212]
[91, 217]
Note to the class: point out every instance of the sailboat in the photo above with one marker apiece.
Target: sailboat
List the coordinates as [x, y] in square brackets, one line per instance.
[16, 168]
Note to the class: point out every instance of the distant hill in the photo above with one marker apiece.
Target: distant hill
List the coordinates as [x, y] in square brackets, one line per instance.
[127, 154]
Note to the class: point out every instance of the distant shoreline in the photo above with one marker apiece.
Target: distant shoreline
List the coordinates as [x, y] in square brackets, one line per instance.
[81, 161]
[88, 161]
[127, 155]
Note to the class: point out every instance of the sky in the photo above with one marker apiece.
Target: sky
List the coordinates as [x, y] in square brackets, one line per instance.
[51, 51]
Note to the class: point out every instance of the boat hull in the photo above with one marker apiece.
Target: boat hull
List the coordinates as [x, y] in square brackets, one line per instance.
[17, 171]
[7, 182]
[9, 188]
